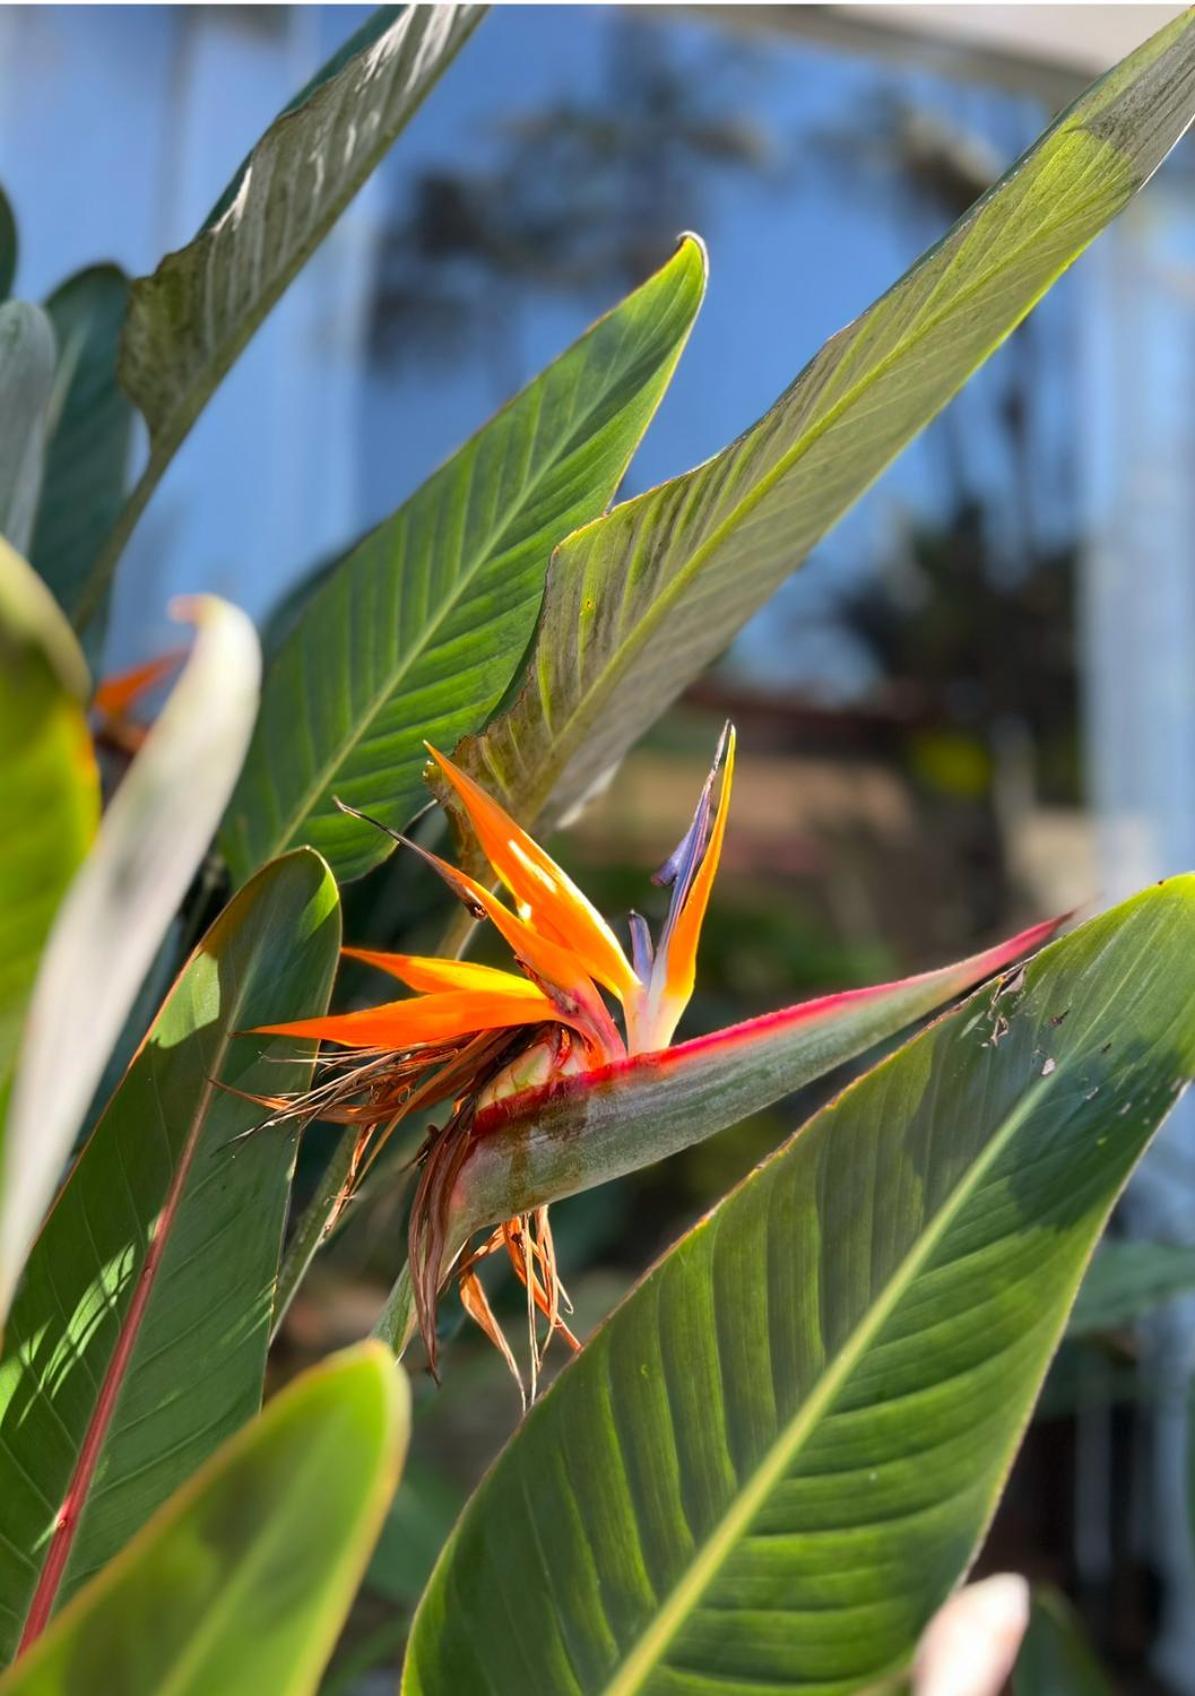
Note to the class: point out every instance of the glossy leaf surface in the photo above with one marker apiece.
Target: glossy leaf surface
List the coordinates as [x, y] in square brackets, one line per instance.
[640, 601]
[138, 1338]
[189, 320]
[770, 1467]
[50, 785]
[241, 1582]
[416, 633]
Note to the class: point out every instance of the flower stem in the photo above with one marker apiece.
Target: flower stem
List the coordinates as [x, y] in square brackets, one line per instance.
[396, 1323]
[309, 1232]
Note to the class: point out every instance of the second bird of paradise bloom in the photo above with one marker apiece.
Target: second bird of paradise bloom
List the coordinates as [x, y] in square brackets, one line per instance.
[471, 1034]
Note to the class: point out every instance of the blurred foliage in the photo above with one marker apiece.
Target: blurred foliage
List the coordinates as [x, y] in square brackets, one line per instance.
[979, 643]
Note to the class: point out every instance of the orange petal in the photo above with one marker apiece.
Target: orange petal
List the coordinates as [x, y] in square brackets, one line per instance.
[527, 1253]
[547, 897]
[115, 695]
[476, 1305]
[421, 972]
[420, 1019]
[557, 968]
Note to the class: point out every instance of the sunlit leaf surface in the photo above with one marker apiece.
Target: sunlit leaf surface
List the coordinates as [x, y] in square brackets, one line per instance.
[770, 1466]
[138, 1338]
[50, 786]
[108, 928]
[240, 1584]
[639, 602]
[419, 630]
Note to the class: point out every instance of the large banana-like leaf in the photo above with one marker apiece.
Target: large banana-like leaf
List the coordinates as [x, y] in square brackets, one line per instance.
[50, 785]
[769, 1468]
[640, 601]
[138, 1337]
[189, 321]
[418, 632]
[27, 352]
[88, 454]
[240, 1584]
[109, 926]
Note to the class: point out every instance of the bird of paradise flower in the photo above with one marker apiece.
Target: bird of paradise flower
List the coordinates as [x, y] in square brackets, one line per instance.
[474, 1036]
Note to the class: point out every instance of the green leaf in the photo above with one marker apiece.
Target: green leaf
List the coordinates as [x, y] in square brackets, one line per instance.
[418, 632]
[1056, 1659]
[283, 618]
[538, 1147]
[108, 929]
[1127, 1279]
[240, 1584]
[9, 246]
[639, 602]
[189, 321]
[770, 1467]
[27, 354]
[88, 455]
[138, 1338]
[50, 783]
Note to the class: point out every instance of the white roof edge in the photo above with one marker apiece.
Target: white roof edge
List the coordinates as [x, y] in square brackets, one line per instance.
[1051, 50]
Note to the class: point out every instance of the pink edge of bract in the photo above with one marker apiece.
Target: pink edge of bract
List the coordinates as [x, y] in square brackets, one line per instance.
[955, 979]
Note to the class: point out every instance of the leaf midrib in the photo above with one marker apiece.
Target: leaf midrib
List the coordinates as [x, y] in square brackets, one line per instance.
[676, 585]
[645, 1656]
[484, 556]
[120, 1361]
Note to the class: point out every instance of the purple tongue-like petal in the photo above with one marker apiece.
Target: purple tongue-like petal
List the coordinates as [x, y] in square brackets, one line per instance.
[642, 949]
[682, 865]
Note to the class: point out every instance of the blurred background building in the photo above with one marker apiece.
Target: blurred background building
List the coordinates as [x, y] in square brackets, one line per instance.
[974, 705]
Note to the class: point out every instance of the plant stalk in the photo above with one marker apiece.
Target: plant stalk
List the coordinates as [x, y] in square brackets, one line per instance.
[396, 1323]
[309, 1232]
